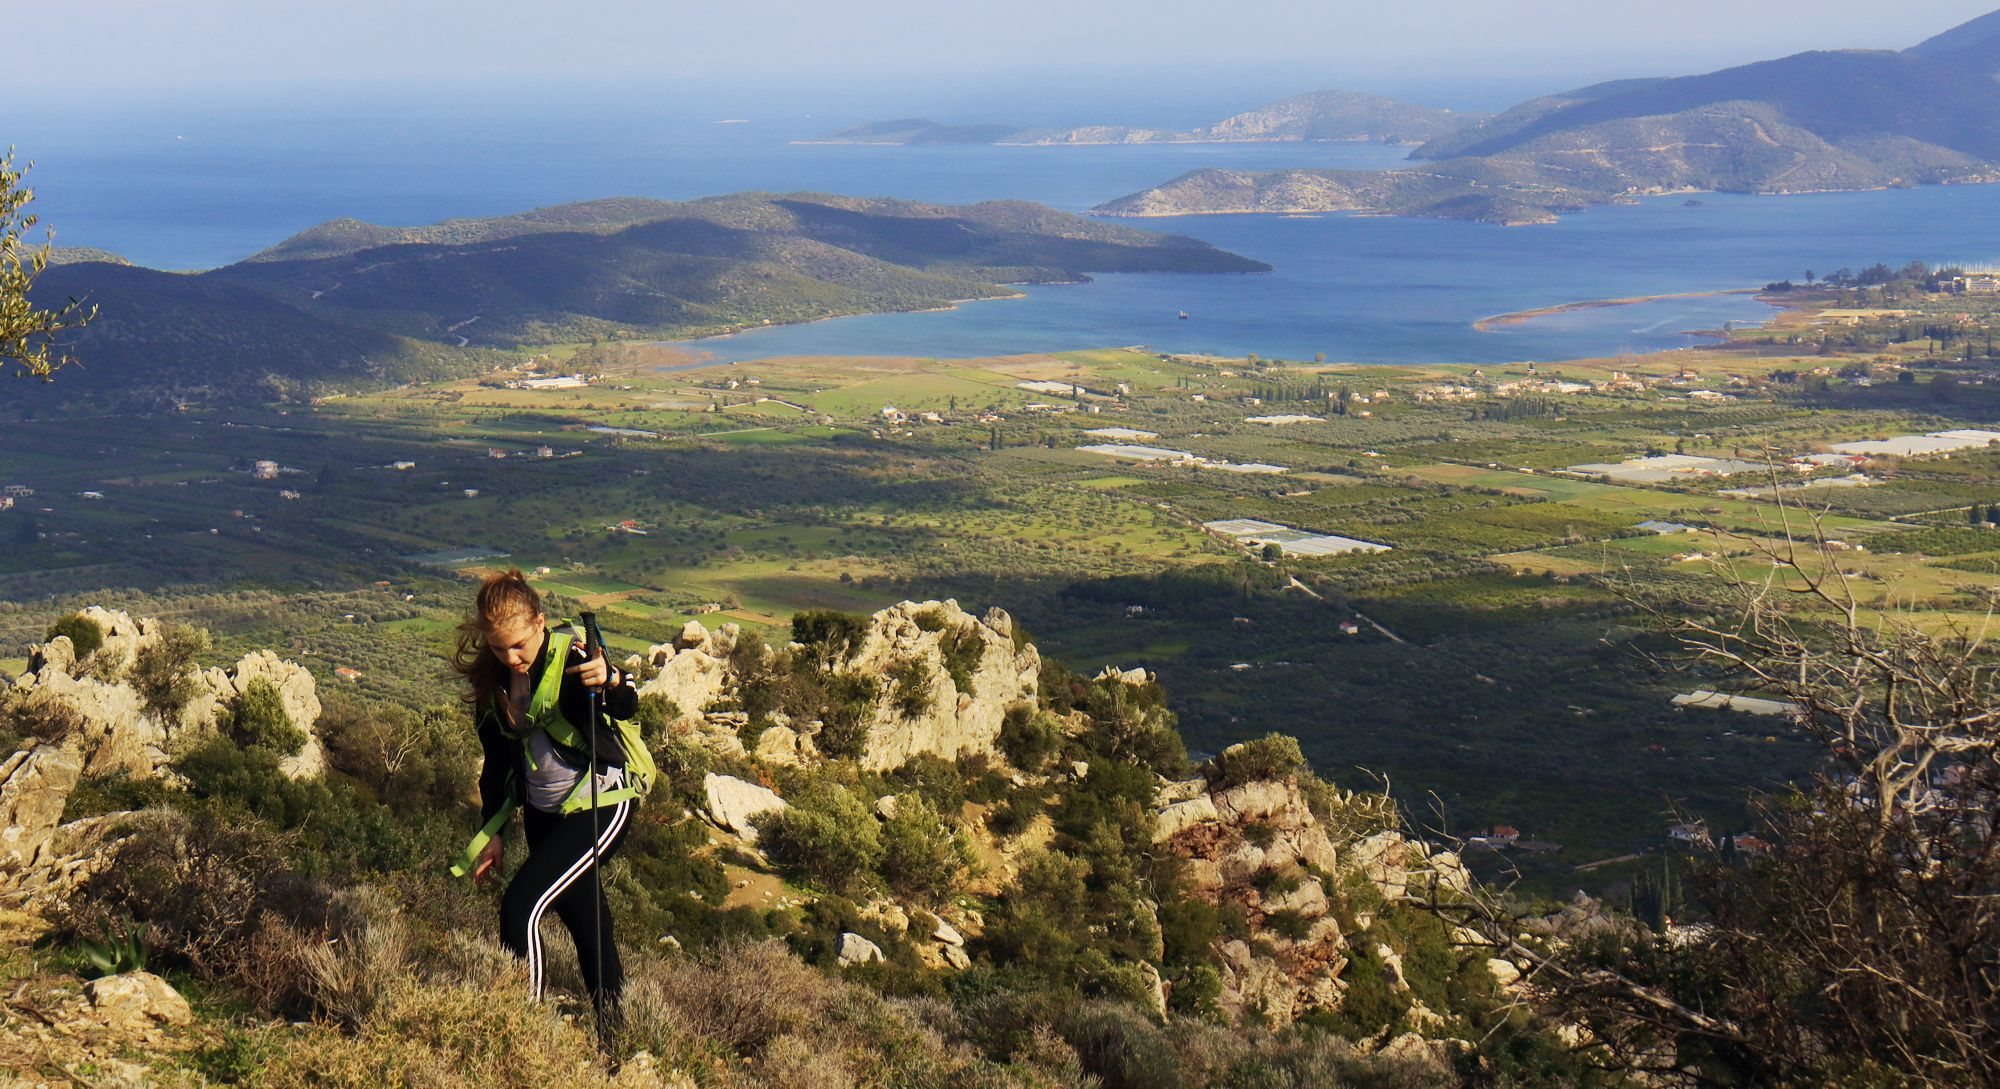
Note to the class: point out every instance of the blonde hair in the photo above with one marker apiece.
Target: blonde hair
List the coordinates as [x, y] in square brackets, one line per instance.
[504, 599]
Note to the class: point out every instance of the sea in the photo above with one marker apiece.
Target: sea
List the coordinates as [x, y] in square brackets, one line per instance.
[193, 189]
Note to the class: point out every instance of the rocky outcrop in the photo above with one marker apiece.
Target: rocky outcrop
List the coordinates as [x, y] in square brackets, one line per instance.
[41, 858]
[693, 671]
[1260, 848]
[965, 710]
[943, 682]
[35, 784]
[223, 687]
[98, 707]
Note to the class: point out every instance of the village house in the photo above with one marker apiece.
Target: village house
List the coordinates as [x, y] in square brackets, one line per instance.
[17, 491]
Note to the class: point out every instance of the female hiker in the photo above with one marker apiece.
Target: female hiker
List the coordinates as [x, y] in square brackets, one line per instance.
[538, 697]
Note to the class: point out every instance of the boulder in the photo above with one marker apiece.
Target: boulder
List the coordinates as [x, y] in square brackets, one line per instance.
[947, 933]
[885, 807]
[1185, 790]
[730, 803]
[1180, 816]
[693, 670]
[35, 784]
[1308, 899]
[1503, 971]
[855, 949]
[137, 1000]
[779, 745]
[955, 957]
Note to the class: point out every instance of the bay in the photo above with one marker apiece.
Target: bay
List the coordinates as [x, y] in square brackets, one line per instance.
[202, 190]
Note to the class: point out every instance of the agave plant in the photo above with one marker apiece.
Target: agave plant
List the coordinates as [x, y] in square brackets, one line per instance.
[114, 955]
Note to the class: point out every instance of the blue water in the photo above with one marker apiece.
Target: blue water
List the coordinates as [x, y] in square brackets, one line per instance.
[204, 188]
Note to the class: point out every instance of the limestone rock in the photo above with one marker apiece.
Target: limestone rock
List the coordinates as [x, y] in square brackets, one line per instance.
[35, 784]
[730, 803]
[955, 956]
[947, 933]
[1503, 971]
[693, 669]
[885, 807]
[1156, 988]
[1392, 965]
[887, 914]
[1185, 790]
[1181, 816]
[779, 745]
[137, 1000]
[1308, 899]
[956, 723]
[855, 949]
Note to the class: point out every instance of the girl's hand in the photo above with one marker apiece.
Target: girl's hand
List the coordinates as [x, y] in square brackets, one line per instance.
[488, 863]
[593, 672]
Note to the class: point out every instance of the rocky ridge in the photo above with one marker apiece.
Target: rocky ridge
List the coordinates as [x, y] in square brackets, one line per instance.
[967, 672]
[101, 726]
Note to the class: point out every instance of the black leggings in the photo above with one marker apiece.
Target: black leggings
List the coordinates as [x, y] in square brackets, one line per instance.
[558, 875]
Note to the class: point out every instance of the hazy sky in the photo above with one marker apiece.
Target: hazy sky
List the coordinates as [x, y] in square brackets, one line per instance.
[94, 46]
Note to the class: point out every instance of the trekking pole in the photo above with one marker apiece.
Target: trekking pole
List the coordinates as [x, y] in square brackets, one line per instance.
[593, 641]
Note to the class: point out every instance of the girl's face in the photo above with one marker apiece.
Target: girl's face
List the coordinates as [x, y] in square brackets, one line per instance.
[516, 642]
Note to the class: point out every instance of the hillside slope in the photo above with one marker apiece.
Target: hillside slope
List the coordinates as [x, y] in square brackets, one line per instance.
[1812, 122]
[349, 304]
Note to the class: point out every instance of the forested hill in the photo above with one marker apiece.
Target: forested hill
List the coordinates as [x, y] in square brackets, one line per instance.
[348, 304]
[1812, 122]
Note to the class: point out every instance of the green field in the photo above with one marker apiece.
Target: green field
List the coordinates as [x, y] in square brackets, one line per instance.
[1507, 700]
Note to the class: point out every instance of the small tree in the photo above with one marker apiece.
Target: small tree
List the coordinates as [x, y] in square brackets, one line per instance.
[923, 858]
[259, 718]
[28, 333]
[163, 670]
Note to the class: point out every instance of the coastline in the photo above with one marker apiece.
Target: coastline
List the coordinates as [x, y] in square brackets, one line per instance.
[1519, 317]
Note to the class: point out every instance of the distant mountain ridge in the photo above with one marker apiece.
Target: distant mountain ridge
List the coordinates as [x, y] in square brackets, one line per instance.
[1329, 116]
[1811, 122]
[348, 304]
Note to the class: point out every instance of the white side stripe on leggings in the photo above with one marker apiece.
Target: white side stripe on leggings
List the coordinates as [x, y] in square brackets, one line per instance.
[569, 877]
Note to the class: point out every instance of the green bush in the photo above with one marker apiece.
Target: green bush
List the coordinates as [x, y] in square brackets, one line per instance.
[826, 835]
[1271, 757]
[830, 637]
[258, 718]
[1029, 737]
[923, 858]
[163, 670]
[83, 632]
[910, 688]
[656, 713]
[962, 648]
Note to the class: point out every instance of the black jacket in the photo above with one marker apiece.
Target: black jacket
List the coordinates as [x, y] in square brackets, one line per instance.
[505, 772]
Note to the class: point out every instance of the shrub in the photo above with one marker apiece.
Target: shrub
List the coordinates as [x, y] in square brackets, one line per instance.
[1029, 737]
[163, 670]
[199, 885]
[829, 636]
[1271, 757]
[1121, 1046]
[656, 713]
[40, 715]
[923, 858]
[961, 649]
[411, 761]
[910, 687]
[259, 718]
[83, 632]
[826, 834]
